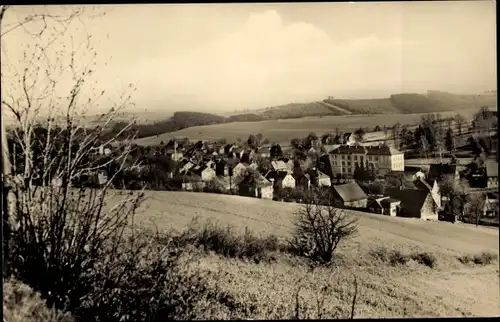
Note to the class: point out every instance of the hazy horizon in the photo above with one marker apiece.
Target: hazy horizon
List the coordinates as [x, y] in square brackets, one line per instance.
[225, 57]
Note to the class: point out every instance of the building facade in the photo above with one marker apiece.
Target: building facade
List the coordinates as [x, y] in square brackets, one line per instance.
[383, 159]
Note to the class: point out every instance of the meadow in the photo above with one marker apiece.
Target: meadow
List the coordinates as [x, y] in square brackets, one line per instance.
[271, 289]
[282, 131]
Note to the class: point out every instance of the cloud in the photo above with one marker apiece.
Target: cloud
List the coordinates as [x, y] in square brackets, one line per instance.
[267, 62]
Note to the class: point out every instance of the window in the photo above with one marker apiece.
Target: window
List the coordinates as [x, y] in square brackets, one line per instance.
[355, 157]
[343, 162]
[349, 164]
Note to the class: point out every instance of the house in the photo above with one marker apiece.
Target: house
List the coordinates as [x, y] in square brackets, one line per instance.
[491, 205]
[239, 169]
[280, 166]
[349, 195]
[207, 174]
[258, 187]
[283, 180]
[385, 206]
[431, 186]
[302, 180]
[441, 172]
[415, 203]
[492, 174]
[319, 179]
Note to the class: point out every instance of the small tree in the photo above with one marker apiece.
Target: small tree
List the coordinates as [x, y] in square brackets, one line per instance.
[320, 228]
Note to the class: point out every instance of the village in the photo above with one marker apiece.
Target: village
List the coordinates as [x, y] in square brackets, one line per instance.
[356, 175]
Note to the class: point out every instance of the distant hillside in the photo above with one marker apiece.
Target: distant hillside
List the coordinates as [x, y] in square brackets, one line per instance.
[179, 121]
[405, 103]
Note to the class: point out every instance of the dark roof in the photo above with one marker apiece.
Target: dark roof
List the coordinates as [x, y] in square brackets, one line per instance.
[349, 149]
[412, 169]
[409, 197]
[350, 192]
[387, 201]
[438, 169]
[381, 150]
[423, 184]
[492, 169]
[300, 175]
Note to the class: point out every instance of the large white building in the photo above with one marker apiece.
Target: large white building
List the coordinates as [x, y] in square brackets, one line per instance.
[382, 158]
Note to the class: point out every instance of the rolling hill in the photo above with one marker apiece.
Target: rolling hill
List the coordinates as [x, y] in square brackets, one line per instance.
[397, 104]
[448, 289]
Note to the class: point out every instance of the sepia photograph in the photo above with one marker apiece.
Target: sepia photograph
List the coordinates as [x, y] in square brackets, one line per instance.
[221, 161]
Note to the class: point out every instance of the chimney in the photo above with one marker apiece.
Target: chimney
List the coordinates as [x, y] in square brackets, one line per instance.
[401, 187]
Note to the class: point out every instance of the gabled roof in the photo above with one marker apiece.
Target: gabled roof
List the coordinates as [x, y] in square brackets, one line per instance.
[301, 175]
[350, 192]
[492, 169]
[409, 197]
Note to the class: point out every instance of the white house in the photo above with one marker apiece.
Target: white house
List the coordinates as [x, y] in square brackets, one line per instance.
[207, 174]
[239, 169]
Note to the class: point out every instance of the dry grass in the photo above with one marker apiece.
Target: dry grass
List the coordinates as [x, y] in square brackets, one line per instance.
[269, 289]
[22, 304]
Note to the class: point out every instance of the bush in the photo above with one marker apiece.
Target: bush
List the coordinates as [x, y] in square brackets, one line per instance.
[225, 241]
[427, 259]
[319, 229]
[395, 257]
[22, 304]
[484, 258]
[144, 281]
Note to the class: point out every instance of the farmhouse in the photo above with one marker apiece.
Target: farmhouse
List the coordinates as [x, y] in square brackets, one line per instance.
[319, 179]
[349, 195]
[415, 203]
[239, 169]
[491, 205]
[492, 174]
[431, 186]
[259, 187]
[302, 180]
[385, 206]
[283, 180]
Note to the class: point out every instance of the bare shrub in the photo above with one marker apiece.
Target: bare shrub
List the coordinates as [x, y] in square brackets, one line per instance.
[396, 257]
[74, 245]
[318, 229]
[484, 258]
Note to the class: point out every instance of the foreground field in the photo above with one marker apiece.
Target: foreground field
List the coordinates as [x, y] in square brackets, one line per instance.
[450, 289]
[282, 131]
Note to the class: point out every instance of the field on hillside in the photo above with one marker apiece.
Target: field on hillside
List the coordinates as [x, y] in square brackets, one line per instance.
[282, 131]
[450, 289]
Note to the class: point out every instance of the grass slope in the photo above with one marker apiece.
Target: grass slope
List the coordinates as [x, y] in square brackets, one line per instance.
[450, 289]
[282, 131]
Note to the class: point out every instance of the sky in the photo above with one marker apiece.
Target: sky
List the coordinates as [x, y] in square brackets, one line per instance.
[226, 57]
